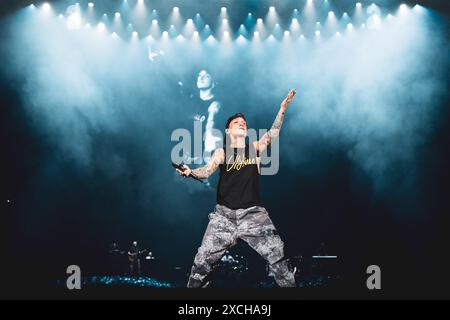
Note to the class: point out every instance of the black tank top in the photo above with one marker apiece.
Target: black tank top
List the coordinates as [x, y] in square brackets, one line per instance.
[239, 179]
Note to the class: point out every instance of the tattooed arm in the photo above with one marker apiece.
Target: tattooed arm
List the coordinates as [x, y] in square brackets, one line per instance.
[262, 144]
[204, 172]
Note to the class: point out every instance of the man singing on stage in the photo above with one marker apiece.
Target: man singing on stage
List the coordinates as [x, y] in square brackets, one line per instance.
[239, 213]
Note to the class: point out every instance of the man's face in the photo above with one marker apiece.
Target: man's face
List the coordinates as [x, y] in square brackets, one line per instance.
[238, 127]
[204, 80]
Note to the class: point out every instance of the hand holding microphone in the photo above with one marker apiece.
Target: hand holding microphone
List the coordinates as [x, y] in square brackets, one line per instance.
[185, 171]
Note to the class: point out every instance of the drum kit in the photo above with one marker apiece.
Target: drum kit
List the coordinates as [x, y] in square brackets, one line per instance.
[233, 264]
[231, 270]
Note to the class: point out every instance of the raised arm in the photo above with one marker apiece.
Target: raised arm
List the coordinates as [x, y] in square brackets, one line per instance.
[204, 172]
[262, 144]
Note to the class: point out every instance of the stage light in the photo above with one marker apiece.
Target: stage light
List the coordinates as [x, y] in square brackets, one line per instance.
[286, 33]
[90, 4]
[176, 9]
[241, 39]
[389, 16]
[249, 14]
[417, 7]
[403, 6]
[256, 33]
[165, 33]
[46, 6]
[374, 22]
[73, 19]
[105, 15]
[349, 26]
[173, 31]
[189, 21]
[317, 33]
[223, 9]
[331, 14]
[309, 1]
[272, 9]
[358, 15]
[140, 1]
[318, 23]
[101, 26]
[60, 16]
[363, 25]
[295, 26]
[154, 21]
[345, 15]
[134, 34]
[226, 33]
[338, 33]
[259, 20]
[117, 14]
[224, 20]
[302, 36]
[195, 33]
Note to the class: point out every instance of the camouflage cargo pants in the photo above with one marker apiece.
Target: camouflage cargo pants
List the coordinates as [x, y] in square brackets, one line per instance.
[252, 225]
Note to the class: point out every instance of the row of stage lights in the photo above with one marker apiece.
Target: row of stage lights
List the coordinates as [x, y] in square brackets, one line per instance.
[74, 22]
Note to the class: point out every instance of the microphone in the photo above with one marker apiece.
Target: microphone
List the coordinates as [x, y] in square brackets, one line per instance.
[180, 167]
